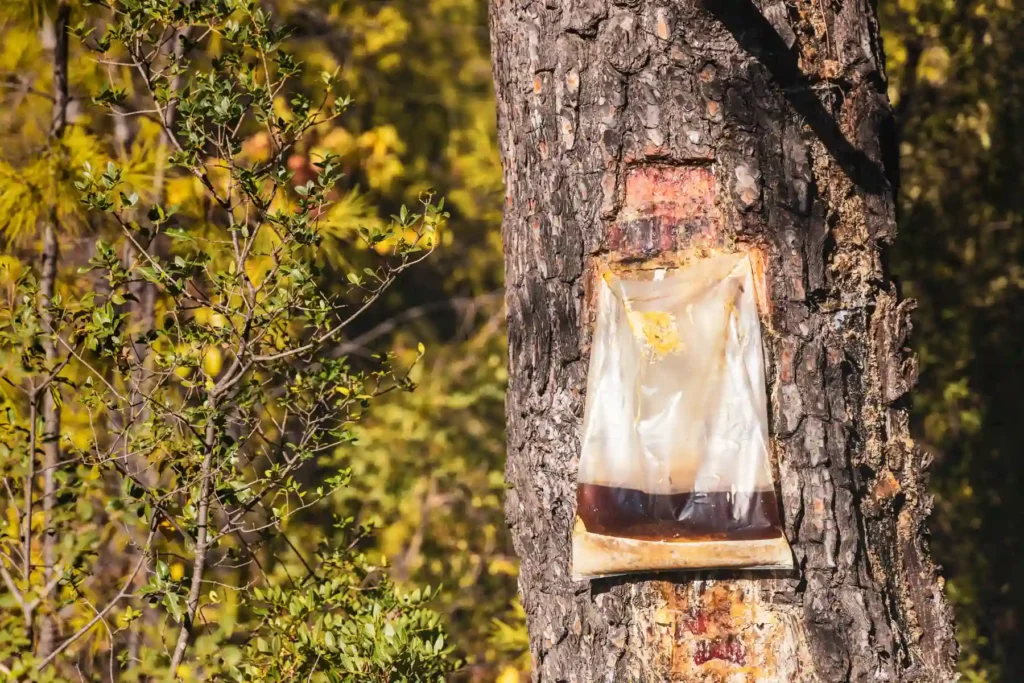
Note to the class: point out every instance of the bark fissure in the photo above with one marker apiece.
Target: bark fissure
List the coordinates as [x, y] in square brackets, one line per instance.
[641, 128]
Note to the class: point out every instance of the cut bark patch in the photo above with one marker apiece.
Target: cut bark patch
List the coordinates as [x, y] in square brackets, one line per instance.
[665, 208]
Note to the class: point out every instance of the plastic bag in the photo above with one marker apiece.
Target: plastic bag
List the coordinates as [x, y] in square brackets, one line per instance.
[674, 470]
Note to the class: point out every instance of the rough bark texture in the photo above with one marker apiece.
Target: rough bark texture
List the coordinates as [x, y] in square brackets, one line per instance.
[643, 126]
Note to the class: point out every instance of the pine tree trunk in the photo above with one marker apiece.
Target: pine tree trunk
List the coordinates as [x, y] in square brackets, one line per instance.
[638, 126]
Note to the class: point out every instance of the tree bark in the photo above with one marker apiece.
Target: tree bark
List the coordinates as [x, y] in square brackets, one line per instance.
[636, 127]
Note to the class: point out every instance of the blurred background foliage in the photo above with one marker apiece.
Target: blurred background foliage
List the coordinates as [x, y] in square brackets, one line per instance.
[956, 74]
[430, 470]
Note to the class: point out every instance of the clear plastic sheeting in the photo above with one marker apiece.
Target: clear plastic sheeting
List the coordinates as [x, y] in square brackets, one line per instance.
[674, 471]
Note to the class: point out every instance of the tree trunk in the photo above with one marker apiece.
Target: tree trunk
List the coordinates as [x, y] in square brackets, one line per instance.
[47, 286]
[634, 127]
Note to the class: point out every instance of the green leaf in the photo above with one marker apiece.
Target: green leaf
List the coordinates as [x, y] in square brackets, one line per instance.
[179, 235]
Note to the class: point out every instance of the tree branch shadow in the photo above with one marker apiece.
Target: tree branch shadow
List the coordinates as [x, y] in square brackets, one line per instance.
[759, 38]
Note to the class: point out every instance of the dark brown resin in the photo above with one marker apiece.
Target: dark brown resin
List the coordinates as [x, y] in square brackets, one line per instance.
[690, 516]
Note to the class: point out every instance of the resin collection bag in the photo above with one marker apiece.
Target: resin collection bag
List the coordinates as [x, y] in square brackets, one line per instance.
[674, 471]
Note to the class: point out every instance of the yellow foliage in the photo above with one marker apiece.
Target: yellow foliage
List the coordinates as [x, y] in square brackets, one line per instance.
[908, 6]
[934, 64]
[19, 48]
[381, 148]
[378, 32]
[257, 148]
[19, 204]
[338, 141]
[501, 565]
[213, 361]
[509, 674]
[11, 529]
[394, 537]
[475, 159]
[44, 186]
[184, 192]
[146, 153]
[350, 212]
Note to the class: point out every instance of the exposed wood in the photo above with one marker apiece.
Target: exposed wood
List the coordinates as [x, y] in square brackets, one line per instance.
[642, 127]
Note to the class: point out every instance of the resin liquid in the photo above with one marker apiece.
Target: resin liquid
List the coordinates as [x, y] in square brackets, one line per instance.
[690, 516]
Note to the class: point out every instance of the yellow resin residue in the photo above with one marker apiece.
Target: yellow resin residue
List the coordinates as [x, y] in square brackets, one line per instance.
[657, 331]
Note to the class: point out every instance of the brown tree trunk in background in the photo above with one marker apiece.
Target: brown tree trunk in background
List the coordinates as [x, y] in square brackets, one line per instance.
[47, 286]
[639, 126]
